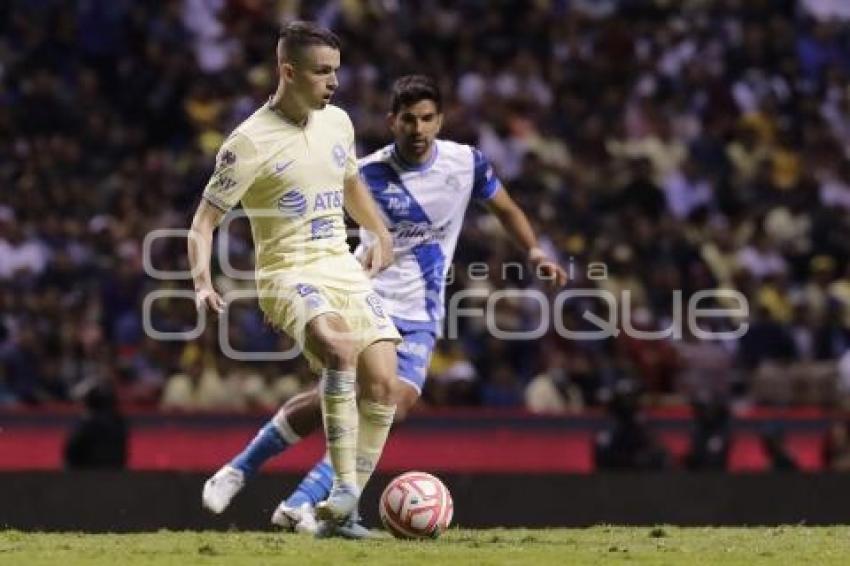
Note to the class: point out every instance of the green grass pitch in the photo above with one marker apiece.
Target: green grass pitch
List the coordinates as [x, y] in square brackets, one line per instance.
[597, 545]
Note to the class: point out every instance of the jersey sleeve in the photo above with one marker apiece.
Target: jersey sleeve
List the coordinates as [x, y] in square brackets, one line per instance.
[236, 168]
[351, 167]
[484, 181]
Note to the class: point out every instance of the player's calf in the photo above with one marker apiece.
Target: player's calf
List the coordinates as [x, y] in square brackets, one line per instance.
[406, 398]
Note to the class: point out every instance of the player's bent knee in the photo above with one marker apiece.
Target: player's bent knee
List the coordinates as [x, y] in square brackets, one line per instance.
[338, 357]
[376, 372]
[381, 388]
[329, 338]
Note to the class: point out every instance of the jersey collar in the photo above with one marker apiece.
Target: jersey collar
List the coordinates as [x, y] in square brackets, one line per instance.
[407, 166]
[286, 119]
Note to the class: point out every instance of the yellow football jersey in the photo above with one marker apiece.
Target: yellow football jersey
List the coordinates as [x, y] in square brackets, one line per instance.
[289, 180]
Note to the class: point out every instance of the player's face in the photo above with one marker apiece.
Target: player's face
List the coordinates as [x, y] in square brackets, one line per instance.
[313, 76]
[415, 127]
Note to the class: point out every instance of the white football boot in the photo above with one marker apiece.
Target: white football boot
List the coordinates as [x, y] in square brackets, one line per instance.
[295, 519]
[339, 506]
[220, 488]
[351, 529]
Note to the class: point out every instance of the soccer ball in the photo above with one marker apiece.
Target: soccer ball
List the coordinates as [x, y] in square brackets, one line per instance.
[416, 505]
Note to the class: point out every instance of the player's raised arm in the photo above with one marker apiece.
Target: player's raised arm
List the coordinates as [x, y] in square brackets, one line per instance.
[516, 223]
[362, 208]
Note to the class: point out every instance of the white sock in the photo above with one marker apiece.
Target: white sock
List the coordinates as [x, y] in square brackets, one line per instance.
[284, 428]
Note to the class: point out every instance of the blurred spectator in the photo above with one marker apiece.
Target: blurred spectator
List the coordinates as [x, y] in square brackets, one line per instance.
[654, 360]
[747, 155]
[687, 190]
[198, 386]
[773, 442]
[551, 391]
[628, 444]
[836, 447]
[641, 195]
[502, 389]
[761, 259]
[710, 440]
[706, 367]
[21, 257]
[843, 385]
[451, 376]
[99, 440]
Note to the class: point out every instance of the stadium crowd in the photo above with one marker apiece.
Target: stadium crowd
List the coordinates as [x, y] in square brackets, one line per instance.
[685, 146]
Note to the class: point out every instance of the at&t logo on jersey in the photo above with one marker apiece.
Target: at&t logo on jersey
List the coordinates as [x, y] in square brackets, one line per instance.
[292, 204]
[327, 200]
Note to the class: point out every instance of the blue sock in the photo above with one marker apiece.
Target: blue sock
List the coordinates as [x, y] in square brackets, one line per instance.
[315, 486]
[266, 444]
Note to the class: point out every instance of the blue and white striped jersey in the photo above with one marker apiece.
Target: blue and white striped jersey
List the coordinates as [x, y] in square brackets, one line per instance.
[423, 207]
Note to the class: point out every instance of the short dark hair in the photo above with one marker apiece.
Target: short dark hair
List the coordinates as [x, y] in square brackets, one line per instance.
[297, 36]
[411, 89]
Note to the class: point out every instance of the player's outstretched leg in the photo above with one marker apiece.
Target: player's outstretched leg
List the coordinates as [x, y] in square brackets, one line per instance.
[298, 417]
[222, 487]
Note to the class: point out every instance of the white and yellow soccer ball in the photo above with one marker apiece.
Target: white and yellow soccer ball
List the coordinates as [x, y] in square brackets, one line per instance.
[416, 505]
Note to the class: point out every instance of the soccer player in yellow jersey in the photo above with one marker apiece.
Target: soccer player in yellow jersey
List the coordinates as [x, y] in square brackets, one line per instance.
[292, 166]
